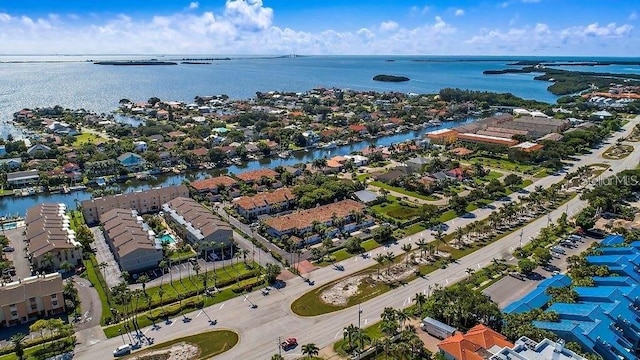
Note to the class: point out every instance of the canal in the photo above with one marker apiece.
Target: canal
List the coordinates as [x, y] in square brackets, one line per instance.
[11, 205]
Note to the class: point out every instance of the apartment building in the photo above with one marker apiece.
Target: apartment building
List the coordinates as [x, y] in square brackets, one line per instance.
[27, 299]
[50, 240]
[143, 202]
[264, 203]
[196, 224]
[133, 244]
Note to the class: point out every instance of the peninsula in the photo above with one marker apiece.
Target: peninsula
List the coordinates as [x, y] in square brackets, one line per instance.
[390, 78]
[135, 62]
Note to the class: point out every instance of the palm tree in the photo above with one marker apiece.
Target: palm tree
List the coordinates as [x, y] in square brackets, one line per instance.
[144, 279]
[422, 245]
[66, 266]
[310, 350]
[459, 235]
[47, 261]
[349, 334]
[18, 348]
[389, 256]
[406, 248]
[162, 265]
[160, 294]
[319, 163]
[361, 339]
[421, 300]
[277, 357]
[469, 271]
[380, 259]
[402, 316]
[438, 236]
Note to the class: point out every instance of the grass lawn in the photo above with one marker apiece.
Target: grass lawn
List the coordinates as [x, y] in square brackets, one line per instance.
[396, 209]
[363, 177]
[448, 215]
[86, 138]
[29, 353]
[343, 254]
[503, 164]
[541, 174]
[95, 276]
[182, 255]
[210, 343]
[76, 219]
[403, 191]
[373, 331]
[4, 192]
[370, 244]
[525, 183]
[414, 229]
[470, 207]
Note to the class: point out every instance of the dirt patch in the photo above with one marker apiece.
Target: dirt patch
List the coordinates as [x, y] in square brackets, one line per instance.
[177, 351]
[340, 293]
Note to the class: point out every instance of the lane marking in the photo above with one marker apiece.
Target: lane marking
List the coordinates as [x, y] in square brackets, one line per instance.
[338, 334]
[200, 313]
[366, 321]
[511, 258]
[221, 306]
[447, 280]
[146, 331]
[173, 322]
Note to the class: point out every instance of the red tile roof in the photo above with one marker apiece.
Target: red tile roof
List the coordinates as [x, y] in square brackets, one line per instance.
[468, 346]
[357, 127]
[305, 218]
[266, 198]
[255, 175]
[213, 183]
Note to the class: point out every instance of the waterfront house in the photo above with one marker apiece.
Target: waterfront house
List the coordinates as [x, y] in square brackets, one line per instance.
[10, 164]
[30, 298]
[275, 201]
[131, 161]
[38, 148]
[197, 225]
[102, 167]
[358, 129]
[258, 177]
[416, 164]
[21, 178]
[140, 146]
[133, 244]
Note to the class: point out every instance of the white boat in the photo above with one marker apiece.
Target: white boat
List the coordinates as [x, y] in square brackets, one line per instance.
[330, 145]
[284, 154]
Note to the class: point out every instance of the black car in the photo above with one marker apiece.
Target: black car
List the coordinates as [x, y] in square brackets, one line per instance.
[8, 249]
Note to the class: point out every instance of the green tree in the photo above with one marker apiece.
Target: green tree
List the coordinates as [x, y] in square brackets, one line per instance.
[526, 266]
[310, 350]
[271, 273]
[18, 347]
[144, 279]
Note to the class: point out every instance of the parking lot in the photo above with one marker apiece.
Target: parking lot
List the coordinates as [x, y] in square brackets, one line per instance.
[103, 255]
[19, 255]
[510, 289]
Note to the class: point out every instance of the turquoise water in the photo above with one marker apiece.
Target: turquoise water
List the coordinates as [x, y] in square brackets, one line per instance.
[167, 239]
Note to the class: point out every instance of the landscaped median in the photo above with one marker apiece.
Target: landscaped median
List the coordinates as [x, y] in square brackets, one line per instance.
[200, 346]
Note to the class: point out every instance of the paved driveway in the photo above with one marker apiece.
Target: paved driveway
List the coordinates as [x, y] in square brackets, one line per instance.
[103, 255]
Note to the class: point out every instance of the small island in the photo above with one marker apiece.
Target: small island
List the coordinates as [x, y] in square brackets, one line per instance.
[390, 78]
[135, 63]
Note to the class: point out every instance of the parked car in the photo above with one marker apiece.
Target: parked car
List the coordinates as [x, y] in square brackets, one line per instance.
[8, 249]
[289, 344]
[122, 350]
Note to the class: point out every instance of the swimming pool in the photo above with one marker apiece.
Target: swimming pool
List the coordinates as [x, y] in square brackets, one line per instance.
[9, 226]
[167, 239]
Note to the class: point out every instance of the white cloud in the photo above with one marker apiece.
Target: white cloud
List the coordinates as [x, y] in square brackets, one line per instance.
[248, 14]
[633, 16]
[5, 17]
[193, 5]
[504, 4]
[541, 29]
[595, 30]
[459, 12]
[415, 10]
[389, 26]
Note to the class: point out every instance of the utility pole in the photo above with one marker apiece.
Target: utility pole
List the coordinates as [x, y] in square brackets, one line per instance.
[521, 233]
[279, 347]
[359, 328]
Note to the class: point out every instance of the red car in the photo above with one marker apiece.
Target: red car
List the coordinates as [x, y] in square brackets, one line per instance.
[288, 344]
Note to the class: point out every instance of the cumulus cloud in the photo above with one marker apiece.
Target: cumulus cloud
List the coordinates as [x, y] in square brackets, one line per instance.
[248, 14]
[193, 5]
[459, 12]
[633, 16]
[389, 26]
[542, 29]
[595, 30]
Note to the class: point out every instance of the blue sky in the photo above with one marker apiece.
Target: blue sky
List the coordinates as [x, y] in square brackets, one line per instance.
[328, 27]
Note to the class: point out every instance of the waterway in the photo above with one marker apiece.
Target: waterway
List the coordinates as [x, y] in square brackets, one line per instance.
[10, 205]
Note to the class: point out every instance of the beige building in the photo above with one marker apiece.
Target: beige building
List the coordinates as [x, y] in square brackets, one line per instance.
[196, 224]
[134, 245]
[50, 240]
[143, 202]
[27, 299]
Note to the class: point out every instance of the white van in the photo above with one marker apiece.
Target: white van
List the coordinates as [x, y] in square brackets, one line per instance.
[122, 350]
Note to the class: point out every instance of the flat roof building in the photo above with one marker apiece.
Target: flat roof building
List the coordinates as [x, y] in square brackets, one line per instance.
[486, 139]
[134, 245]
[442, 136]
[142, 201]
[527, 349]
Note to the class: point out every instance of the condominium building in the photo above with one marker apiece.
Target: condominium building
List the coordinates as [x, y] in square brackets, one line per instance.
[264, 203]
[29, 298]
[50, 240]
[143, 202]
[197, 224]
[134, 245]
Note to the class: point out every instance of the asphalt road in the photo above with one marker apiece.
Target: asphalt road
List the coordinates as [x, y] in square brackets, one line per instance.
[104, 255]
[260, 328]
